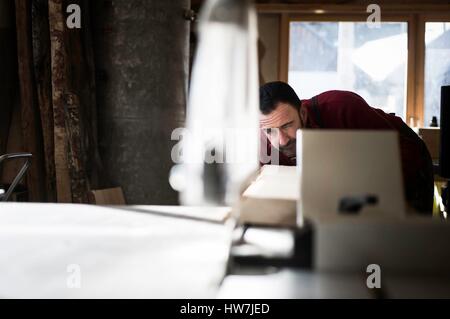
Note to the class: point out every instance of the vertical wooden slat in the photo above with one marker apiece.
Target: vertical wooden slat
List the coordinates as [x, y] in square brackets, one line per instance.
[284, 48]
[74, 104]
[95, 164]
[411, 114]
[420, 72]
[32, 134]
[42, 72]
[79, 181]
[81, 82]
[7, 79]
[8, 71]
[59, 73]
[423, 18]
[5, 120]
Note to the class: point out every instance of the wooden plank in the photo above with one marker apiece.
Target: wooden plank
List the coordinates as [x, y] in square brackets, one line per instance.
[420, 73]
[432, 139]
[351, 17]
[59, 73]
[42, 72]
[351, 8]
[8, 79]
[111, 196]
[74, 105]
[81, 83]
[284, 48]
[8, 71]
[78, 181]
[32, 134]
[15, 145]
[95, 172]
[411, 114]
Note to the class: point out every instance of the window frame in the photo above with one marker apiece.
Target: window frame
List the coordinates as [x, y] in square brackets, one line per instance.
[414, 15]
[420, 59]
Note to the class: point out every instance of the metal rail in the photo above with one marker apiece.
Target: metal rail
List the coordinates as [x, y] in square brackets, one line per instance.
[27, 156]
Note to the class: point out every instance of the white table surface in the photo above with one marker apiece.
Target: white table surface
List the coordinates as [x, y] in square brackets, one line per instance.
[120, 253]
[132, 253]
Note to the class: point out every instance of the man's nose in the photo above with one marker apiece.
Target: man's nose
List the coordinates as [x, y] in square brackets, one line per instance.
[284, 138]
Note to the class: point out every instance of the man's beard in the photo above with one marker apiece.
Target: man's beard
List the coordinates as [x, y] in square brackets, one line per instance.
[290, 149]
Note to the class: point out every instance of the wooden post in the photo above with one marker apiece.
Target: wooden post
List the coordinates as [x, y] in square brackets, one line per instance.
[43, 79]
[81, 83]
[79, 181]
[7, 78]
[74, 105]
[8, 71]
[284, 48]
[32, 134]
[59, 73]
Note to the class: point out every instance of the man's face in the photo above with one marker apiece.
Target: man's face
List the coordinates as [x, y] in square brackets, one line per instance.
[280, 127]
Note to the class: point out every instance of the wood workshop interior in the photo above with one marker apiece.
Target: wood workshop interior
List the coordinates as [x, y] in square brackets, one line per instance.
[273, 149]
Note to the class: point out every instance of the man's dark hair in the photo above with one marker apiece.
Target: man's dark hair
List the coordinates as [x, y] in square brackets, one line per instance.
[270, 94]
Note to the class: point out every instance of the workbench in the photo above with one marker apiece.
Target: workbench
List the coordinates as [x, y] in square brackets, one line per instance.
[157, 252]
[129, 252]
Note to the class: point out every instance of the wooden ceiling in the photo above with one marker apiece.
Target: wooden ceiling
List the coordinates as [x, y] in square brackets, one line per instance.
[199, 2]
[196, 4]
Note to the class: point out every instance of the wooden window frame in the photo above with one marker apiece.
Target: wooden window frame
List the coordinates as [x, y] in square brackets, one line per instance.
[420, 59]
[415, 15]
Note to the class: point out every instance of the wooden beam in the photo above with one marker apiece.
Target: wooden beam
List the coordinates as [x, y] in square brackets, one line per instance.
[79, 181]
[81, 84]
[32, 133]
[95, 167]
[324, 8]
[411, 89]
[43, 80]
[283, 64]
[9, 81]
[59, 75]
[419, 74]
[74, 104]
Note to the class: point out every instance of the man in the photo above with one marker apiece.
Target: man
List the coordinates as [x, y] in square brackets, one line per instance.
[283, 113]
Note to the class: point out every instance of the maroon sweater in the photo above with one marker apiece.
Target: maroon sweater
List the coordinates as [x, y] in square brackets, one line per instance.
[347, 110]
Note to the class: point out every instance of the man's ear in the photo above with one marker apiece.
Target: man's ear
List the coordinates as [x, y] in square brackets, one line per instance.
[303, 117]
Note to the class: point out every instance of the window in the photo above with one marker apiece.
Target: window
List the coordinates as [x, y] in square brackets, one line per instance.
[351, 56]
[437, 66]
[398, 66]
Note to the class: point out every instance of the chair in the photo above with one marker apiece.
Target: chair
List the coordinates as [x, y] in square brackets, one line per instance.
[6, 191]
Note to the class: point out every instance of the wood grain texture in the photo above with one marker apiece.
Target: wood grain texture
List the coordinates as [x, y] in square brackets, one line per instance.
[284, 48]
[32, 133]
[81, 84]
[78, 178]
[8, 71]
[43, 80]
[111, 196]
[8, 79]
[74, 104]
[58, 66]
